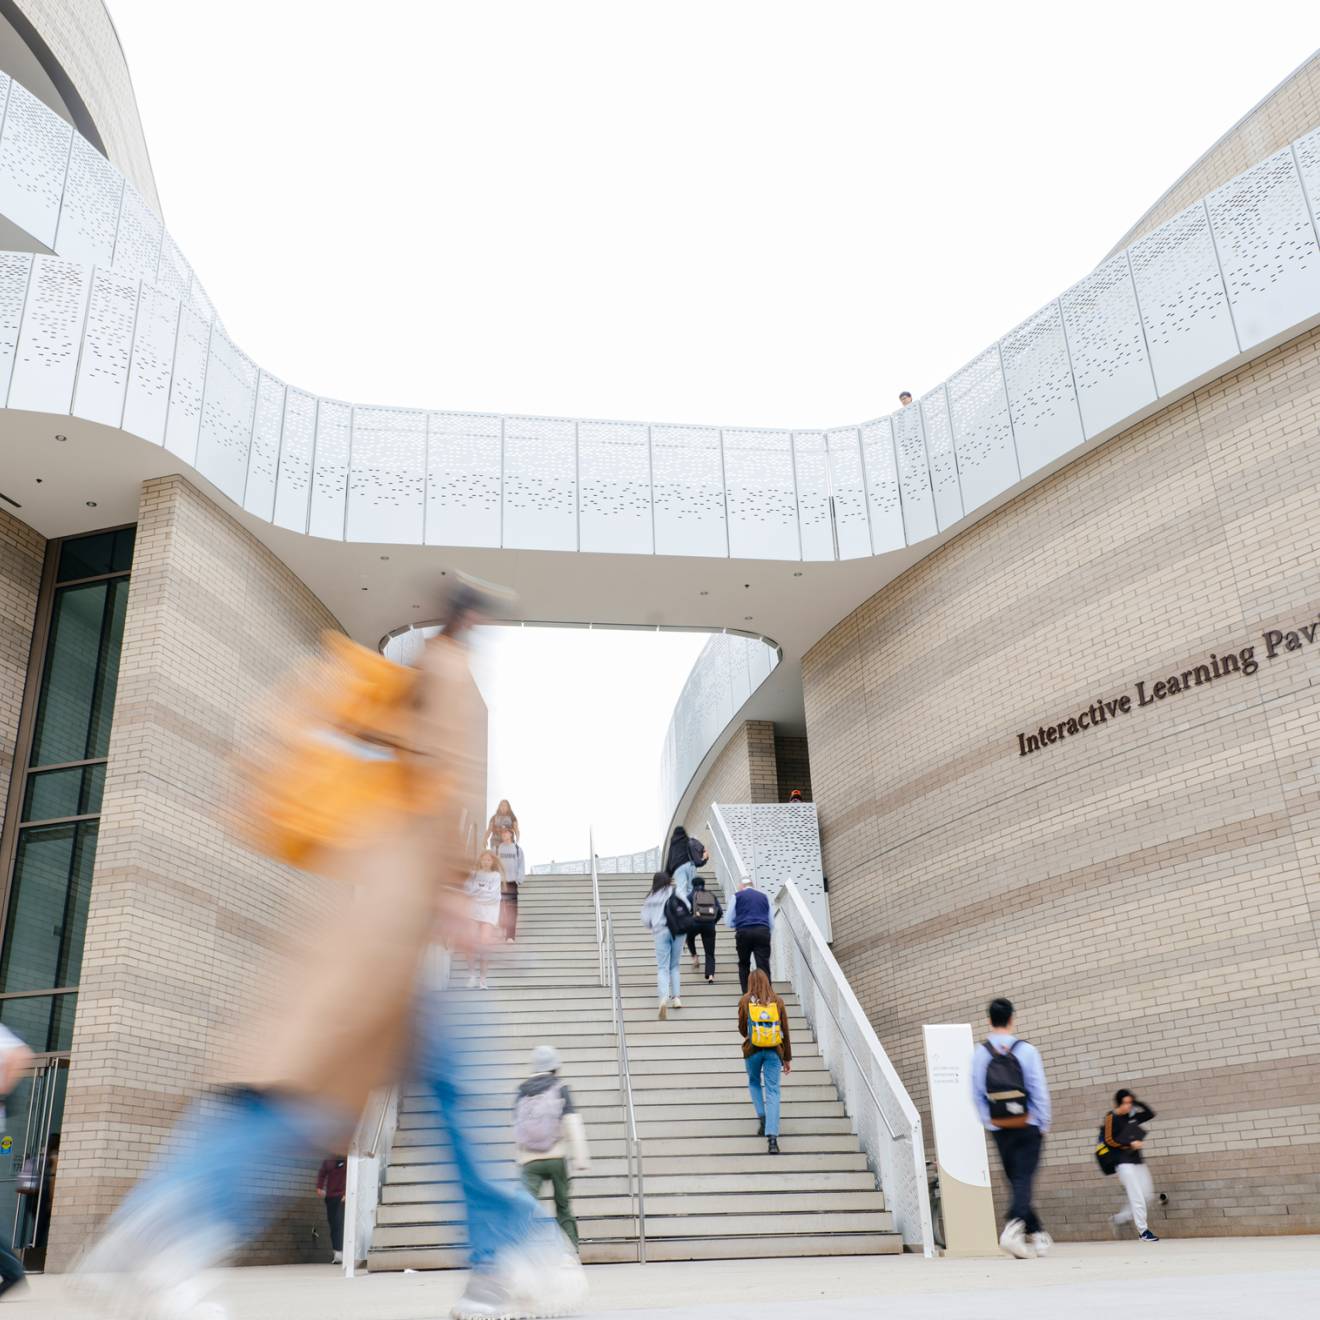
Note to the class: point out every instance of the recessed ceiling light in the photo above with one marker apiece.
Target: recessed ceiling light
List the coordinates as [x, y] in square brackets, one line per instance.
[39, 480]
[91, 504]
[364, 588]
[383, 557]
[747, 618]
[705, 593]
[61, 438]
[417, 607]
[797, 574]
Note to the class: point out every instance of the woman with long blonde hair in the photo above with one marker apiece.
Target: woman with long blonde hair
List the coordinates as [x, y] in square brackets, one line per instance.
[503, 819]
[483, 888]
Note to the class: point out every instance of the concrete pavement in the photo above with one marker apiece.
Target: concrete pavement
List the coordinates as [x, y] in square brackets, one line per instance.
[1191, 1279]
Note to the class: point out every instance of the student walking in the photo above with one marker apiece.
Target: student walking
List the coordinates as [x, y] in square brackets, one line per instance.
[767, 1052]
[681, 861]
[668, 918]
[483, 889]
[15, 1060]
[550, 1140]
[1009, 1090]
[514, 864]
[503, 819]
[706, 913]
[1123, 1135]
[331, 1183]
[752, 922]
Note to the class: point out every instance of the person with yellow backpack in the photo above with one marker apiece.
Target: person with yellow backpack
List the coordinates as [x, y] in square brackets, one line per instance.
[767, 1052]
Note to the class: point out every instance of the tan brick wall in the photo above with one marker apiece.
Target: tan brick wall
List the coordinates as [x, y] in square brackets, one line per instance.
[1146, 892]
[22, 553]
[744, 771]
[1289, 113]
[182, 916]
[792, 765]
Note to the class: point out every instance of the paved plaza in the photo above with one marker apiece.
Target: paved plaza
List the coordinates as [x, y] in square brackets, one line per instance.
[1195, 1279]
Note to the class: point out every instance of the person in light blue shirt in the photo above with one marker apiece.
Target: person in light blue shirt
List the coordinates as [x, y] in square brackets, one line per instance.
[1016, 1111]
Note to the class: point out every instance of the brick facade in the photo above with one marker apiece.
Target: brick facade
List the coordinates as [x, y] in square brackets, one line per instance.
[792, 765]
[1145, 891]
[22, 554]
[745, 771]
[183, 918]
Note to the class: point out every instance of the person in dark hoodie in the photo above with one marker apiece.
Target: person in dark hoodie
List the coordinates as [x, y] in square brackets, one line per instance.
[681, 861]
[1124, 1132]
[706, 913]
[549, 1137]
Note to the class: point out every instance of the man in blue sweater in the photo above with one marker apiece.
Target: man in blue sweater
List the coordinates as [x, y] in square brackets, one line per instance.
[752, 921]
[1009, 1090]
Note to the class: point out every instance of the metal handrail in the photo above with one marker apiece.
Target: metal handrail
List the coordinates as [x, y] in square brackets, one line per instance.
[373, 1149]
[595, 899]
[631, 1141]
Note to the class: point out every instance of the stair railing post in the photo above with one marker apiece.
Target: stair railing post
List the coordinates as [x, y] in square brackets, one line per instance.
[595, 902]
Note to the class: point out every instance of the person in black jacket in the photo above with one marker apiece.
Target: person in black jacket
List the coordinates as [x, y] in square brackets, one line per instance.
[1123, 1131]
[681, 861]
[704, 924]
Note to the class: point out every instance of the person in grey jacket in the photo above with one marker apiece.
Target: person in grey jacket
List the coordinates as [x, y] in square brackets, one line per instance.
[549, 1138]
[668, 947]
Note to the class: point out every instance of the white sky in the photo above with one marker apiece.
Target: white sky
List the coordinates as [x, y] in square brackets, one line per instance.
[749, 212]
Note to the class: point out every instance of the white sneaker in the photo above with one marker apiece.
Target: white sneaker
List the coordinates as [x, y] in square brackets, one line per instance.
[1042, 1242]
[675, 1002]
[1014, 1239]
[472, 981]
[338, 1258]
[481, 985]
[664, 1009]
[533, 1280]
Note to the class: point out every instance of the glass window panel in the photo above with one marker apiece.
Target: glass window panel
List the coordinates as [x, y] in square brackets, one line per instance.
[44, 1022]
[82, 669]
[53, 794]
[48, 907]
[90, 556]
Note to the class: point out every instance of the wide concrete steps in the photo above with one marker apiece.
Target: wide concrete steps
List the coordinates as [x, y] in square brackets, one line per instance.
[712, 1189]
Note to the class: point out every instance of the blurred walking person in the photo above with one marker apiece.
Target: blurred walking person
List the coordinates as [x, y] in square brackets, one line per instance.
[331, 1183]
[502, 819]
[484, 888]
[514, 865]
[752, 922]
[1013, 1100]
[549, 1137]
[15, 1060]
[706, 913]
[667, 916]
[767, 1052]
[684, 856]
[1123, 1132]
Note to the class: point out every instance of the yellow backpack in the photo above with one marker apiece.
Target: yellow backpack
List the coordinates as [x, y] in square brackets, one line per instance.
[763, 1028]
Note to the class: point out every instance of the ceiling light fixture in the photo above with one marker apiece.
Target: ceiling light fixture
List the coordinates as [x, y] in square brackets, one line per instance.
[91, 504]
[797, 574]
[384, 558]
[61, 438]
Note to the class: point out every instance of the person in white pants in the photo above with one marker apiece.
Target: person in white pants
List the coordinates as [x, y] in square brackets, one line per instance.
[1124, 1131]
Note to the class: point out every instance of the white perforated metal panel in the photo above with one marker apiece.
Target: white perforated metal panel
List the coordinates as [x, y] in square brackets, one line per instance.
[852, 527]
[34, 155]
[884, 503]
[740, 670]
[228, 402]
[138, 237]
[760, 496]
[106, 348]
[811, 467]
[297, 451]
[540, 483]
[614, 488]
[1306, 151]
[146, 403]
[385, 492]
[50, 335]
[184, 418]
[688, 491]
[198, 300]
[1189, 329]
[14, 270]
[1267, 249]
[779, 842]
[173, 274]
[1042, 400]
[940, 459]
[330, 469]
[89, 213]
[264, 455]
[919, 519]
[982, 432]
[463, 480]
[1107, 347]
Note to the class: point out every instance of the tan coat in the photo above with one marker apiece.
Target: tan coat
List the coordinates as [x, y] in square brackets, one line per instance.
[344, 1019]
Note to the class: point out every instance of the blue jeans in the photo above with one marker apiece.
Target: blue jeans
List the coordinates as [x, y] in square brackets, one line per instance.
[683, 878]
[499, 1210]
[764, 1069]
[668, 955]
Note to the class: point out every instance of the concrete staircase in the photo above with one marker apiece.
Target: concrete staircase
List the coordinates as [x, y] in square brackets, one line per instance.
[712, 1191]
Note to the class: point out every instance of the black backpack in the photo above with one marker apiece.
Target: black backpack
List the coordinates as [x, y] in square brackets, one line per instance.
[696, 851]
[1005, 1088]
[678, 916]
[705, 908]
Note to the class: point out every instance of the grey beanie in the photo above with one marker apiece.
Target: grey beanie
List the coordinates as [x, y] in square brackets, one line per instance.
[545, 1058]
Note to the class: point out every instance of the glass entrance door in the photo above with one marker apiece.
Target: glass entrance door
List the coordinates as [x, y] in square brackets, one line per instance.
[29, 1158]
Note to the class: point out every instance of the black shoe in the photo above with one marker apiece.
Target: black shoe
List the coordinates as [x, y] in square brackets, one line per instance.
[773, 1146]
[760, 1126]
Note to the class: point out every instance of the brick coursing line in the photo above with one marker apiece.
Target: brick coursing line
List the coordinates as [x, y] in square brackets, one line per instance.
[1146, 893]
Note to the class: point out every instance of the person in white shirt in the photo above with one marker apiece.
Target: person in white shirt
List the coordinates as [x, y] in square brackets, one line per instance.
[483, 889]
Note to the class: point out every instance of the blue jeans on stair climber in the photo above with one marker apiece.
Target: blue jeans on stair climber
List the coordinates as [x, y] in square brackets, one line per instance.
[668, 956]
[764, 1068]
